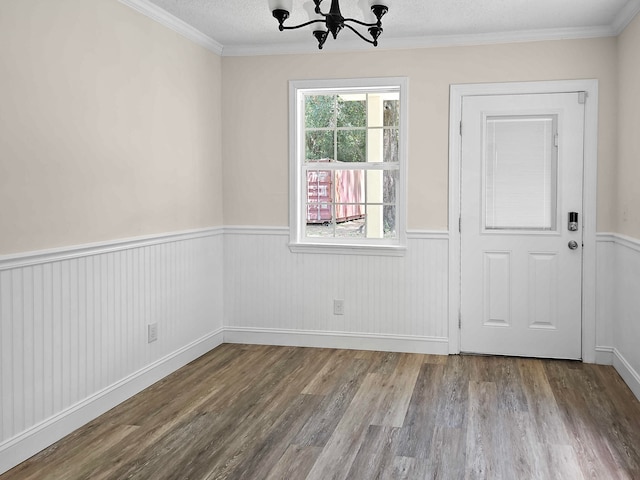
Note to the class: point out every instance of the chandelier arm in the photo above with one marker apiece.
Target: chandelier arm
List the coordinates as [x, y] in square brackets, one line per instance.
[359, 34]
[319, 20]
[364, 24]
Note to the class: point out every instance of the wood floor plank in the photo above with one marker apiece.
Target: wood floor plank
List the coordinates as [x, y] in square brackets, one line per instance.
[419, 422]
[453, 399]
[398, 390]
[296, 462]
[340, 451]
[482, 460]
[511, 395]
[260, 454]
[322, 424]
[408, 468]
[325, 381]
[542, 403]
[376, 454]
[524, 456]
[262, 412]
[602, 438]
[384, 363]
[447, 454]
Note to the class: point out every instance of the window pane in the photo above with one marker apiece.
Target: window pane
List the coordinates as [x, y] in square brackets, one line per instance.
[319, 111]
[352, 145]
[520, 173]
[352, 110]
[392, 112]
[320, 230]
[335, 195]
[348, 229]
[318, 186]
[319, 144]
[391, 144]
[390, 185]
[390, 221]
[351, 228]
[348, 191]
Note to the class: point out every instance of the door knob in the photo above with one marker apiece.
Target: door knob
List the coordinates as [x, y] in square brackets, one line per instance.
[573, 244]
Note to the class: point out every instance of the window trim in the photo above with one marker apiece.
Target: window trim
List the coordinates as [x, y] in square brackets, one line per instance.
[297, 241]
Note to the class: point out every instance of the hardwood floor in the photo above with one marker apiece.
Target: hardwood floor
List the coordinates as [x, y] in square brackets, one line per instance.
[260, 412]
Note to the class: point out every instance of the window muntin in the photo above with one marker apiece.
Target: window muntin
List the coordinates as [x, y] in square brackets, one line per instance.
[348, 165]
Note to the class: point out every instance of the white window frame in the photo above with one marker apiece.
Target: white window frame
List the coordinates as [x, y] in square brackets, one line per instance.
[298, 242]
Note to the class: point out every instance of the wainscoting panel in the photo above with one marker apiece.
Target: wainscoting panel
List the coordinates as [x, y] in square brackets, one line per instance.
[276, 296]
[626, 299]
[605, 288]
[618, 306]
[73, 328]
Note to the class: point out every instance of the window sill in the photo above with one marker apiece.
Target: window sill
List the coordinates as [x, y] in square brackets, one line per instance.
[346, 249]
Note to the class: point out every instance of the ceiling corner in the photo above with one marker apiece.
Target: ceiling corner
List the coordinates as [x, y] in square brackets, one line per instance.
[148, 9]
[625, 16]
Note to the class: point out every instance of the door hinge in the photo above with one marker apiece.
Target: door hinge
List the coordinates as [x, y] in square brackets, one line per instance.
[460, 224]
[459, 319]
[582, 98]
[460, 127]
[555, 140]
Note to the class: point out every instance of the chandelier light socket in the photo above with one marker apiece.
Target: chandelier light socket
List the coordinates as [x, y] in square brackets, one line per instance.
[321, 36]
[375, 33]
[281, 16]
[379, 11]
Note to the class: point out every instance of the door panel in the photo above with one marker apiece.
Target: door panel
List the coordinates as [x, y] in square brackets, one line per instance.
[543, 278]
[521, 285]
[497, 287]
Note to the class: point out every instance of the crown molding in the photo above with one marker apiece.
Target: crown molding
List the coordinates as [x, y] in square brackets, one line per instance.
[427, 41]
[163, 17]
[147, 8]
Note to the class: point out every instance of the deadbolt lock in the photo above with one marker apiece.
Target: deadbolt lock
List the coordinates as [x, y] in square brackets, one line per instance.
[573, 221]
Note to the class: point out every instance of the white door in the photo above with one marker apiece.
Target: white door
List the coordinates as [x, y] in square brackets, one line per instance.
[521, 261]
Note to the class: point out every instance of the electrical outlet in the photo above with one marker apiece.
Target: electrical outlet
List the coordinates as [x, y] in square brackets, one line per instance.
[152, 332]
[338, 307]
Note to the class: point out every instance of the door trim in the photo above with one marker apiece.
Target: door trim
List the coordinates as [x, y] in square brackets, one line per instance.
[457, 92]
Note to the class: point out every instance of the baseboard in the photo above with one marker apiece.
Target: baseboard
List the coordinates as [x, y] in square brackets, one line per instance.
[28, 443]
[626, 371]
[349, 341]
[604, 355]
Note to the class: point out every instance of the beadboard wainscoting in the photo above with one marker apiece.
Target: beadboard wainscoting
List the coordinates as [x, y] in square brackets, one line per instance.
[276, 297]
[73, 322]
[73, 329]
[620, 289]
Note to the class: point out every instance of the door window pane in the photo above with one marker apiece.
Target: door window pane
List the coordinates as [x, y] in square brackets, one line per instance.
[520, 173]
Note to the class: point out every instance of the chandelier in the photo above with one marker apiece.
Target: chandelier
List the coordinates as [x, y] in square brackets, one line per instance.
[332, 22]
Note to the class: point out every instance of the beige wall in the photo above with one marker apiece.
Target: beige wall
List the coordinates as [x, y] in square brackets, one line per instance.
[110, 126]
[628, 171]
[114, 127]
[255, 109]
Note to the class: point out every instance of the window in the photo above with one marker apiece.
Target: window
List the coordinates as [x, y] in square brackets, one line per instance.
[348, 148]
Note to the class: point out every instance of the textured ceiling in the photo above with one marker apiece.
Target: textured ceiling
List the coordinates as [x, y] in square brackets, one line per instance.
[246, 26]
